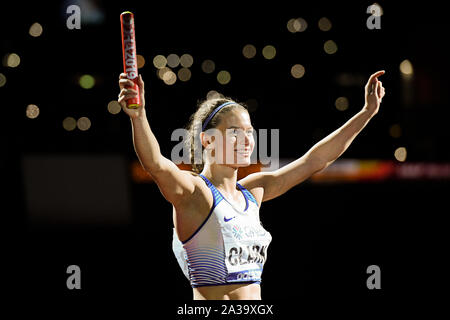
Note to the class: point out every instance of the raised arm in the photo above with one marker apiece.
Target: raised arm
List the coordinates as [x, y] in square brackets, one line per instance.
[323, 153]
[175, 185]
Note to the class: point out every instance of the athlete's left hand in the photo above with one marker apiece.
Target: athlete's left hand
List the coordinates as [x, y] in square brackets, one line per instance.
[374, 92]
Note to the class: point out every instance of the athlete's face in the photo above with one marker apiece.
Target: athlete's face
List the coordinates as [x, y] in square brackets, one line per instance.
[236, 140]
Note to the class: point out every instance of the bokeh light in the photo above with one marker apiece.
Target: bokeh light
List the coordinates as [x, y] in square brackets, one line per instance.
[213, 94]
[330, 47]
[2, 79]
[324, 24]
[32, 111]
[114, 107]
[406, 68]
[297, 25]
[35, 30]
[140, 61]
[252, 104]
[297, 71]
[87, 81]
[186, 60]
[169, 77]
[223, 77]
[159, 61]
[269, 52]
[400, 154]
[184, 74]
[208, 66]
[84, 123]
[395, 131]
[11, 60]
[341, 103]
[249, 51]
[173, 60]
[69, 124]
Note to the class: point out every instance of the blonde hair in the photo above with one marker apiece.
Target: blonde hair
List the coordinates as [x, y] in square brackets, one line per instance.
[196, 120]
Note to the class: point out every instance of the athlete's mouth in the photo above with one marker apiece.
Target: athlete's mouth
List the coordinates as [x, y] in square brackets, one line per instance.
[245, 152]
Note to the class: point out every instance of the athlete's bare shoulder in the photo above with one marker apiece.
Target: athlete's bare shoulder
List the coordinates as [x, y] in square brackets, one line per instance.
[198, 181]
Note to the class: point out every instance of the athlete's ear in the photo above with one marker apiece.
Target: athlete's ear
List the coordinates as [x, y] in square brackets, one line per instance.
[205, 139]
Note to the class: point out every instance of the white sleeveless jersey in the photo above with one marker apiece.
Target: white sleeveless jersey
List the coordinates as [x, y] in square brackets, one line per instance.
[229, 247]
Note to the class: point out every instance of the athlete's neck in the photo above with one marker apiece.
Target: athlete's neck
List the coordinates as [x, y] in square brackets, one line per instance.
[221, 176]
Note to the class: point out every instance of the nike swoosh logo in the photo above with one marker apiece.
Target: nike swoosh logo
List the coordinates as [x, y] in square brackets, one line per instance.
[226, 220]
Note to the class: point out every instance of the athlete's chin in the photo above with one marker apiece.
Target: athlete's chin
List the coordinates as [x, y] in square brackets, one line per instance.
[241, 164]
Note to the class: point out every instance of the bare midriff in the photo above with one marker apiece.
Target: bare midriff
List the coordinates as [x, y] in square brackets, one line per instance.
[243, 291]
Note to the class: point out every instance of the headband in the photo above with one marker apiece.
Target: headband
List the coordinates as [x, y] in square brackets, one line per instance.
[214, 112]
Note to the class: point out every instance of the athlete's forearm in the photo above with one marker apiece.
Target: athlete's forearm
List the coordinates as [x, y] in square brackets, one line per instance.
[145, 144]
[334, 145]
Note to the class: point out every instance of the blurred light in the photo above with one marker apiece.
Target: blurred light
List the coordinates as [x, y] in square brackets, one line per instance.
[300, 24]
[249, 51]
[324, 24]
[186, 60]
[114, 107]
[87, 81]
[297, 25]
[380, 9]
[173, 60]
[2, 79]
[341, 103]
[213, 94]
[208, 66]
[32, 111]
[162, 71]
[140, 61]
[350, 79]
[297, 71]
[84, 123]
[406, 68]
[11, 60]
[184, 74]
[69, 124]
[269, 52]
[252, 105]
[35, 30]
[223, 77]
[159, 61]
[290, 26]
[395, 131]
[91, 11]
[400, 154]
[169, 77]
[330, 47]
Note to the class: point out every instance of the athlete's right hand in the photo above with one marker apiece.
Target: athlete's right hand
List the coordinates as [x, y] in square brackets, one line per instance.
[127, 93]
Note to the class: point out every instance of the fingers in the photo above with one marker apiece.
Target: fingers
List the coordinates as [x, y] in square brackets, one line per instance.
[125, 82]
[378, 86]
[126, 94]
[370, 86]
[381, 92]
[140, 82]
[374, 76]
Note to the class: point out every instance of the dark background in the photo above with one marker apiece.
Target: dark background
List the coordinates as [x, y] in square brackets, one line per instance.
[324, 235]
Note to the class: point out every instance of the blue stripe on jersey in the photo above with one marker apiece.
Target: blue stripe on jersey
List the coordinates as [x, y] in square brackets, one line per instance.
[247, 193]
[206, 266]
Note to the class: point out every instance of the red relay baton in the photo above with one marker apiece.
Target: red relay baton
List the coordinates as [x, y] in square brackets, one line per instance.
[129, 55]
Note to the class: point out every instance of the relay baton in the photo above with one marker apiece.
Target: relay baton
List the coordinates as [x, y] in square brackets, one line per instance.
[129, 55]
